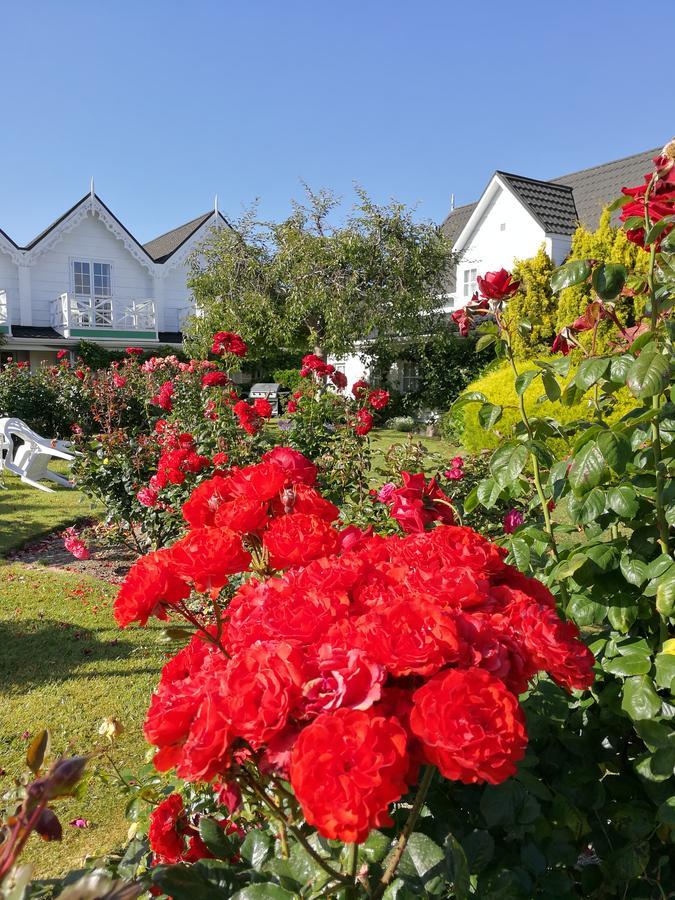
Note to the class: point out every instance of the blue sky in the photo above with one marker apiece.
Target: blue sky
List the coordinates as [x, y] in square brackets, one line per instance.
[168, 103]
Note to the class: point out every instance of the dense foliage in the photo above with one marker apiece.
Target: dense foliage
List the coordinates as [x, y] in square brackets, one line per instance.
[307, 284]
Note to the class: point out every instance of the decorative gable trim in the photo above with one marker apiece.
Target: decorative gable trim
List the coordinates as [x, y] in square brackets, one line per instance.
[91, 204]
[180, 255]
[8, 246]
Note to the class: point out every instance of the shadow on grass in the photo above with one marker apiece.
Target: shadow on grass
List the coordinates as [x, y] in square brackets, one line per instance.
[39, 651]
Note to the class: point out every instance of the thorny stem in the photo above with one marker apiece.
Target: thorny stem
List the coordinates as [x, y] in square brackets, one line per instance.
[353, 869]
[408, 828]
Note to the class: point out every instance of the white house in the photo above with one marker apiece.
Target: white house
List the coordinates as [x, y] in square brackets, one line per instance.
[87, 277]
[514, 216]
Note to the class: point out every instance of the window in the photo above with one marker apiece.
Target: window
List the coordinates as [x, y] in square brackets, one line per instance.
[469, 282]
[92, 279]
[409, 377]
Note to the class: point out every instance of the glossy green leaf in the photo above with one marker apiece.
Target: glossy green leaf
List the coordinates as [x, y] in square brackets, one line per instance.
[256, 848]
[640, 700]
[588, 469]
[524, 380]
[633, 664]
[608, 280]
[666, 812]
[570, 273]
[426, 856]
[590, 371]
[458, 868]
[37, 751]
[551, 386]
[649, 374]
[623, 501]
[665, 671]
[269, 891]
[520, 551]
[484, 341]
[665, 596]
[215, 838]
[489, 414]
[508, 462]
[584, 510]
[622, 616]
[633, 570]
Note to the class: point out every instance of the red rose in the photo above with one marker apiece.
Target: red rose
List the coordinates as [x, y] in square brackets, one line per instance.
[147, 497]
[497, 285]
[263, 407]
[470, 726]
[378, 399]
[215, 379]
[346, 768]
[365, 422]
[360, 388]
[228, 342]
[417, 504]
[134, 351]
[291, 407]
[208, 556]
[200, 509]
[242, 515]
[166, 842]
[339, 379]
[262, 481]
[300, 498]
[61, 354]
[295, 464]
[296, 539]
[343, 678]
[150, 586]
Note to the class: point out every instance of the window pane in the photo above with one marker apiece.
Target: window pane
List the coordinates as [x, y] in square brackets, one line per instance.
[81, 277]
[102, 280]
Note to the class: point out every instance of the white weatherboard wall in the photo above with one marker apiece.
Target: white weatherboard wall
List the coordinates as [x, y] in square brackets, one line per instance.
[505, 232]
[9, 282]
[90, 239]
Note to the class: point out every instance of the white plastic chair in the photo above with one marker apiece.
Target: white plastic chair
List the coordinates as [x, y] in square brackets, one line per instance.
[28, 455]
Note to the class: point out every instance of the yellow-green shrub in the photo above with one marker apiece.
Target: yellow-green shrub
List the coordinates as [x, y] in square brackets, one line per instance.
[497, 385]
[534, 303]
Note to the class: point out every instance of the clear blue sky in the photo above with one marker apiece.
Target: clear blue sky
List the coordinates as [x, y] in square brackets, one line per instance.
[168, 103]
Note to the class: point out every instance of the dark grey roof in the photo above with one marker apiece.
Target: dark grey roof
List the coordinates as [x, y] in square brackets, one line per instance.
[41, 332]
[596, 187]
[164, 246]
[561, 203]
[552, 205]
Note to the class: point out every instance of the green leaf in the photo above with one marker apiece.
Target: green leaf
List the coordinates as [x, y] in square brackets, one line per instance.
[608, 280]
[215, 838]
[489, 414]
[520, 551]
[479, 848]
[605, 556]
[665, 671]
[656, 229]
[640, 700]
[633, 570]
[524, 380]
[458, 867]
[269, 891]
[619, 368]
[584, 510]
[615, 449]
[666, 812]
[183, 882]
[375, 847]
[590, 371]
[649, 374]
[471, 501]
[623, 501]
[588, 469]
[571, 273]
[665, 596]
[541, 452]
[470, 397]
[622, 616]
[37, 750]
[485, 340]
[426, 856]
[488, 492]
[508, 462]
[551, 386]
[633, 664]
[256, 848]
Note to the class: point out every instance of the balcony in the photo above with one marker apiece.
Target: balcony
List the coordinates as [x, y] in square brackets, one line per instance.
[4, 314]
[76, 316]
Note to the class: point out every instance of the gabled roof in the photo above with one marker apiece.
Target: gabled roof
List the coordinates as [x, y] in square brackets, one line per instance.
[561, 203]
[552, 205]
[164, 246]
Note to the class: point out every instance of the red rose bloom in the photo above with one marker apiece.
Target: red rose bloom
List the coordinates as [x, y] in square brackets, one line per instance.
[208, 556]
[61, 354]
[346, 768]
[200, 509]
[147, 497]
[497, 285]
[339, 379]
[378, 399]
[417, 504]
[365, 422]
[360, 388]
[228, 342]
[150, 586]
[134, 351]
[215, 379]
[263, 407]
[166, 842]
[295, 464]
[296, 539]
[470, 726]
[291, 407]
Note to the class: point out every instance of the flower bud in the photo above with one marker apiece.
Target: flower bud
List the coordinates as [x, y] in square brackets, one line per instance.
[48, 826]
[65, 775]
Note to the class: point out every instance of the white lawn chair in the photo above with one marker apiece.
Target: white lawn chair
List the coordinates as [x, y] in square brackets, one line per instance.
[28, 455]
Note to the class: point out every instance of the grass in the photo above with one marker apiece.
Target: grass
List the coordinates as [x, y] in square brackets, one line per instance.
[65, 665]
[381, 440]
[27, 514]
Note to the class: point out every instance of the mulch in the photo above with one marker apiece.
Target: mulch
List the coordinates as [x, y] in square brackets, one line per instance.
[106, 562]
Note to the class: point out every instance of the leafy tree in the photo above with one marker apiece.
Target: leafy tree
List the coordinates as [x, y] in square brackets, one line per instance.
[309, 284]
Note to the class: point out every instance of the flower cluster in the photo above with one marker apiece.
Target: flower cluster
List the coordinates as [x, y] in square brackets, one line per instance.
[227, 342]
[314, 366]
[456, 470]
[74, 544]
[251, 416]
[417, 503]
[494, 288]
[657, 194]
[173, 836]
[164, 396]
[347, 659]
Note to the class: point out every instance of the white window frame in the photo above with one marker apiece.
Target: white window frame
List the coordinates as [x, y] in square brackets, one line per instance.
[469, 282]
[91, 262]
[409, 377]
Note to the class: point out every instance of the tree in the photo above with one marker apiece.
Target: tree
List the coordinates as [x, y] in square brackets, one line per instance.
[308, 284]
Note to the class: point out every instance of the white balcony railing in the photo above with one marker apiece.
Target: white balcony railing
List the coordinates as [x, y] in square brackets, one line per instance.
[4, 313]
[76, 316]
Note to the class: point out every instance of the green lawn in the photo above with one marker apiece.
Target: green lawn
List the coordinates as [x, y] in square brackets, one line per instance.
[381, 440]
[65, 665]
[27, 514]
